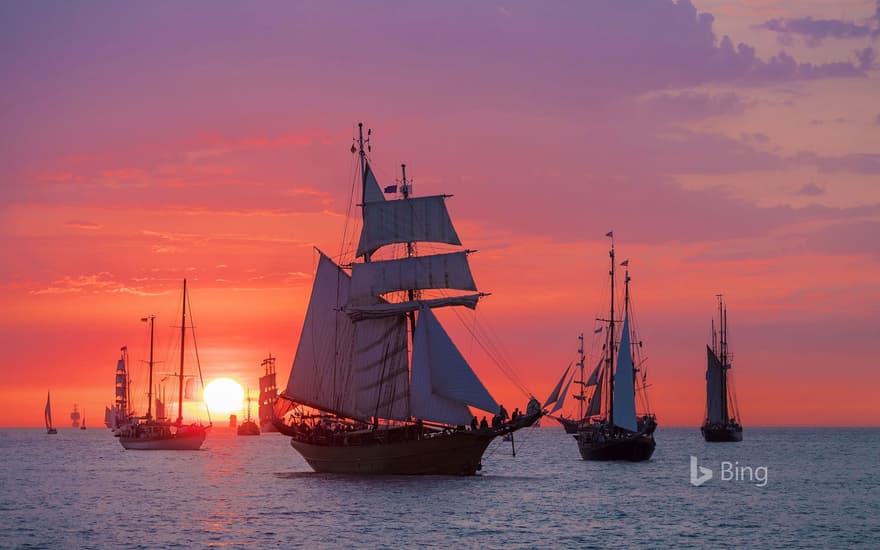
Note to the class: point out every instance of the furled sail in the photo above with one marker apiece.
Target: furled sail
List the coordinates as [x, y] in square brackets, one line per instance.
[413, 273]
[421, 219]
[120, 382]
[554, 395]
[385, 309]
[372, 190]
[624, 409]
[443, 384]
[714, 389]
[561, 402]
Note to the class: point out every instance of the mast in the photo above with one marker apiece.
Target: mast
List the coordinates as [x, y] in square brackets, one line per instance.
[363, 161]
[724, 364]
[180, 376]
[611, 340]
[151, 318]
[581, 398]
[410, 252]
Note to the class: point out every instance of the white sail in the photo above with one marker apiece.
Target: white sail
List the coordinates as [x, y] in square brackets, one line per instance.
[554, 395]
[421, 219]
[321, 375]
[412, 273]
[372, 190]
[624, 409]
[372, 311]
[48, 412]
[443, 384]
[379, 362]
[120, 381]
[714, 389]
[561, 402]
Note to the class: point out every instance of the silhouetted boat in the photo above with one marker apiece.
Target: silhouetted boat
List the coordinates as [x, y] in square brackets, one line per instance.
[719, 424]
[248, 427]
[572, 425]
[268, 395]
[120, 414]
[376, 411]
[47, 414]
[83, 426]
[152, 434]
[74, 417]
[614, 431]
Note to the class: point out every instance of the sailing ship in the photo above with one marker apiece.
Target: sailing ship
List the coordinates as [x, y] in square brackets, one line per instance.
[83, 426]
[268, 395]
[74, 417]
[365, 404]
[248, 427]
[119, 414]
[720, 424]
[571, 425]
[147, 433]
[47, 415]
[614, 431]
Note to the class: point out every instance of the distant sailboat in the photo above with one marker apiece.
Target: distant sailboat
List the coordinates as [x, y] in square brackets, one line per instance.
[380, 411]
[83, 426]
[48, 416]
[119, 414]
[147, 433]
[720, 424]
[74, 417]
[615, 431]
[268, 395]
[248, 427]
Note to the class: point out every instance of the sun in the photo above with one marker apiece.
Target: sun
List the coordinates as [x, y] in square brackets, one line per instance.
[224, 396]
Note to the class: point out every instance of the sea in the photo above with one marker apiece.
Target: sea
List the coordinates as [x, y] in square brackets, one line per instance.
[779, 487]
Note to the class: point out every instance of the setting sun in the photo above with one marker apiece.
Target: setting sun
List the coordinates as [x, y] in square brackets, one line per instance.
[224, 396]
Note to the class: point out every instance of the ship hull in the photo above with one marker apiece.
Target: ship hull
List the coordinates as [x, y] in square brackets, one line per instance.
[570, 425]
[458, 453]
[720, 434]
[187, 440]
[248, 427]
[600, 443]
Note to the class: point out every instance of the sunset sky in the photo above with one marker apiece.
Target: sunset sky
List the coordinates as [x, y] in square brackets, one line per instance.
[732, 146]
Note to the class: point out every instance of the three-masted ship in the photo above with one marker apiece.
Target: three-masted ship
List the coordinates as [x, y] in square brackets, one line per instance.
[149, 433]
[613, 430]
[119, 414]
[377, 384]
[722, 414]
[268, 396]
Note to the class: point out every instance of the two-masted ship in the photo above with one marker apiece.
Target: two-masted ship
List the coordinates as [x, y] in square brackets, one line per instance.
[613, 430]
[157, 433]
[377, 384]
[722, 414]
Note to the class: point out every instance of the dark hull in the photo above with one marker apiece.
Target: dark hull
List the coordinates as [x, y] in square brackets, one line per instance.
[600, 443]
[570, 425]
[401, 451]
[248, 427]
[726, 433]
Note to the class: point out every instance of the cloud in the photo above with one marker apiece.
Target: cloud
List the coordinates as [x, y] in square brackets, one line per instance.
[96, 283]
[811, 190]
[696, 105]
[855, 163]
[78, 224]
[815, 31]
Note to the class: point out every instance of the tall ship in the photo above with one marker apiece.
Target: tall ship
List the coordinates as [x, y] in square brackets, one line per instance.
[722, 413]
[149, 433]
[47, 416]
[268, 395]
[572, 424]
[377, 385]
[613, 429]
[75, 416]
[119, 414]
[248, 427]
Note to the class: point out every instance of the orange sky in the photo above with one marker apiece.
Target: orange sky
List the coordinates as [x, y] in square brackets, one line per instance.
[139, 151]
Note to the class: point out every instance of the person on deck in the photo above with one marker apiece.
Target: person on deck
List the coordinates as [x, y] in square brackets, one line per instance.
[474, 423]
[502, 414]
[483, 424]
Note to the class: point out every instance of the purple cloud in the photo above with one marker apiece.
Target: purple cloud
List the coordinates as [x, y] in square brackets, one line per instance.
[855, 163]
[815, 31]
[697, 105]
[811, 190]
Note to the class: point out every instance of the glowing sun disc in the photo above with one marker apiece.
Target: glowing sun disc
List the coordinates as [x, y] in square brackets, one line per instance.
[224, 396]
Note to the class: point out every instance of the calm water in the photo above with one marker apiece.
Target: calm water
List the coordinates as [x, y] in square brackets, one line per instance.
[80, 489]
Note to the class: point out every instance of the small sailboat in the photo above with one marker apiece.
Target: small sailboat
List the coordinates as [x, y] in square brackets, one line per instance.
[47, 414]
[83, 426]
[615, 431]
[147, 433]
[362, 403]
[268, 395]
[248, 427]
[722, 414]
